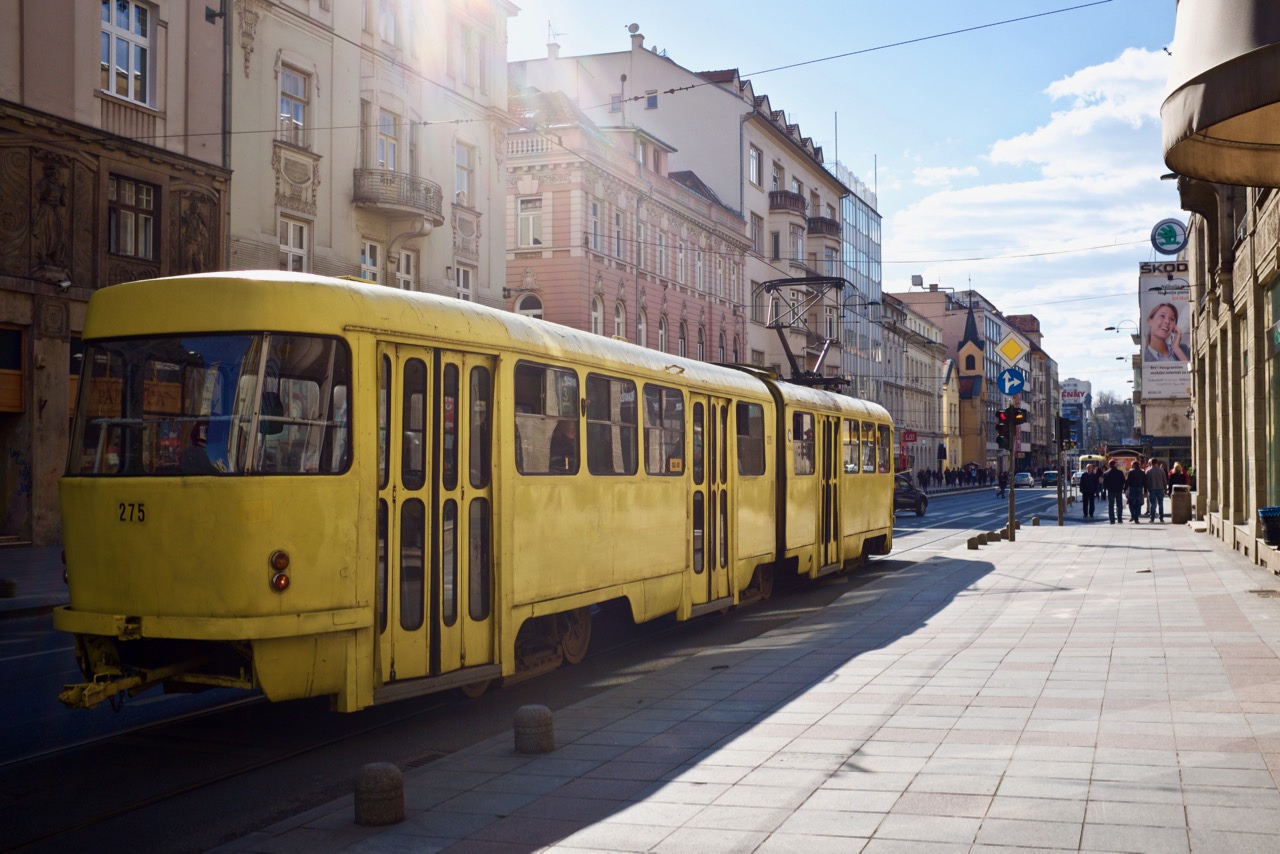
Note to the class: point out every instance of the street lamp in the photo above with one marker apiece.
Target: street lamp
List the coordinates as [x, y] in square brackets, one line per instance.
[1119, 325]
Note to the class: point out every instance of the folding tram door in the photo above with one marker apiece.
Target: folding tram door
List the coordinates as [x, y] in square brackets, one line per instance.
[830, 467]
[435, 590]
[710, 511]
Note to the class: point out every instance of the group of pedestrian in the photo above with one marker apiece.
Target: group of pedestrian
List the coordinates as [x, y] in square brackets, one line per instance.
[1139, 483]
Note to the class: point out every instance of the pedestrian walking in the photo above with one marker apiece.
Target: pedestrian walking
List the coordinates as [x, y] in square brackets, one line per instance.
[1089, 487]
[1157, 485]
[1003, 484]
[1135, 483]
[1113, 483]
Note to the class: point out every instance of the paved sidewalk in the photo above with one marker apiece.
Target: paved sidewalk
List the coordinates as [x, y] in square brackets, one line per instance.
[1092, 687]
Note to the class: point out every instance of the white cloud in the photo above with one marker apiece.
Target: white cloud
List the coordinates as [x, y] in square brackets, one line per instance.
[1086, 179]
[940, 176]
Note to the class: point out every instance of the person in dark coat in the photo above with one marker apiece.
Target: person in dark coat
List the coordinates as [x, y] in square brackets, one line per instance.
[1113, 483]
[1135, 483]
[1089, 486]
[1004, 483]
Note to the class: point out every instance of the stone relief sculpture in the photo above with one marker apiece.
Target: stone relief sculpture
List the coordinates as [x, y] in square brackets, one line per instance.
[49, 225]
[194, 238]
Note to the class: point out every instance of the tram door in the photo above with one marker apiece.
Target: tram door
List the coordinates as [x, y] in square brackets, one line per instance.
[830, 468]
[434, 570]
[462, 591]
[710, 510]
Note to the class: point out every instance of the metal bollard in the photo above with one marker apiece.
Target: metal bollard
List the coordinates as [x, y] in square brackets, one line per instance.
[379, 794]
[534, 730]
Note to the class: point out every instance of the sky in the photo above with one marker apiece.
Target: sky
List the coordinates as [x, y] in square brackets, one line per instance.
[1013, 145]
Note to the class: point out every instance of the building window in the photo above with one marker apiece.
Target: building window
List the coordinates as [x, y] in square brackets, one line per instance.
[295, 250]
[642, 330]
[370, 259]
[776, 180]
[757, 303]
[721, 350]
[388, 124]
[757, 358]
[597, 316]
[775, 245]
[702, 343]
[662, 255]
[294, 96]
[680, 267]
[797, 187]
[463, 173]
[651, 99]
[530, 306]
[131, 218]
[593, 237]
[127, 32]
[407, 270]
[464, 277]
[620, 321]
[617, 234]
[683, 344]
[662, 334]
[530, 221]
[757, 234]
[797, 243]
[698, 275]
[719, 276]
[387, 22]
[641, 237]
[755, 166]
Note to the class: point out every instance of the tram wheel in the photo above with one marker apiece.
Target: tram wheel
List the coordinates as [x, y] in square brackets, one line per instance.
[575, 634]
[476, 689]
[763, 581]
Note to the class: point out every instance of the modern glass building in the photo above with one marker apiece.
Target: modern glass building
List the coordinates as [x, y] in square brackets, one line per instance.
[863, 350]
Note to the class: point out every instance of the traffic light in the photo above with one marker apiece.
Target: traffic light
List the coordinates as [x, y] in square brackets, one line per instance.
[1002, 428]
[1064, 434]
[1019, 416]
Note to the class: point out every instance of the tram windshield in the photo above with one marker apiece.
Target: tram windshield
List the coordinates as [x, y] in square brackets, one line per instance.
[217, 405]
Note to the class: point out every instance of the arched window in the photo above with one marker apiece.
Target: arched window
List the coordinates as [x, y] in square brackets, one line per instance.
[702, 344]
[662, 334]
[969, 363]
[620, 320]
[530, 305]
[720, 357]
[642, 330]
[736, 351]
[597, 316]
[683, 343]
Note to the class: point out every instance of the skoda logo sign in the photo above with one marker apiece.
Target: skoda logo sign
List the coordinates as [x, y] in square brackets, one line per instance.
[1169, 236]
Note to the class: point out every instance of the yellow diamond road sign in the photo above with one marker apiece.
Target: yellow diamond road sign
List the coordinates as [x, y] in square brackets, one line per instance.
[1011, 348]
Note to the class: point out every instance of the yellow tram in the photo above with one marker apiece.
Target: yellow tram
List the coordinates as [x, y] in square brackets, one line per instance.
[311, 486]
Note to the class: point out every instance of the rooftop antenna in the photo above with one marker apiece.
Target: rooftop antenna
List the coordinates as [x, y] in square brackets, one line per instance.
[552, 35]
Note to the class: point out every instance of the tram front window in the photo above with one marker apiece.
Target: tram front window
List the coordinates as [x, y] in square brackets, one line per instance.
[215, 405]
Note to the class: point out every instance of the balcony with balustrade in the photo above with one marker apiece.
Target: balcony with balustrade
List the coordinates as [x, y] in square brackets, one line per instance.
[398, 193]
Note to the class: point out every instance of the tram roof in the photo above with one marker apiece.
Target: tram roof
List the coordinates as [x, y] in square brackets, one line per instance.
[251, 300]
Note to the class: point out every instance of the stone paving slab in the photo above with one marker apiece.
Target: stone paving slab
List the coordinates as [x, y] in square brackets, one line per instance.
[1085, 688]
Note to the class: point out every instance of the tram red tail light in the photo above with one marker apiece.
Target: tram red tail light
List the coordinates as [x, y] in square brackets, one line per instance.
[279, 562]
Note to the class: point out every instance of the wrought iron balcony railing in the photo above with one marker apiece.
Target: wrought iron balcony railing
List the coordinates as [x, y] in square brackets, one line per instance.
[399, 191]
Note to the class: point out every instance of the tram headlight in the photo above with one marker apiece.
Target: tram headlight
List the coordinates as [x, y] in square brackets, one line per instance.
[279, 562]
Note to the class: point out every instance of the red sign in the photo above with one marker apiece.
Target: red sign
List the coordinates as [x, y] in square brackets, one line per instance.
[908, 437]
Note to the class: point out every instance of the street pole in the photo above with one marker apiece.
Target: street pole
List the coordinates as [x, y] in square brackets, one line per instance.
[1011, 412]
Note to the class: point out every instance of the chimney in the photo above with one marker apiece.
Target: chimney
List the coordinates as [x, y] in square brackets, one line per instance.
[934, 287]
[553, 50]
[637, 41]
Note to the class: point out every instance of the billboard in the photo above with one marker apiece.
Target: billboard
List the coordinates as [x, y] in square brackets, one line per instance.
[1165, 329]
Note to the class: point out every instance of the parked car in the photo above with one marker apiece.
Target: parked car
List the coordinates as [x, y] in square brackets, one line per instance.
[1023, 478]
[1049, 478]
[1075, 477]
[907, 496]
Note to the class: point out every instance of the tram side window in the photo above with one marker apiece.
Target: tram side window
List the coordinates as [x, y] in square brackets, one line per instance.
[868, 446]
[883, 449]
[851, 451]
[413, 466]
[384, 421]
[802, 441]
[750, 418]
[611, 425]
[663, 430]
[546, 404]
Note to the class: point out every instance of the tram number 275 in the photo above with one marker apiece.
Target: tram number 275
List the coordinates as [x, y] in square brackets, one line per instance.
[132, 512]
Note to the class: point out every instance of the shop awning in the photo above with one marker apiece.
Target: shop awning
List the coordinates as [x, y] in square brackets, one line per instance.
[1221, 120]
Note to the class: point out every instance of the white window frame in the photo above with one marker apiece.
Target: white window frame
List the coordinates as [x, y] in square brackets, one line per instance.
[132, 215]
[530, 306]
[617, 234]
[597, 317]
[682, 345]
[662, 334]
[755, 166]
[642, 236]
[702, 344]
[464, 169]
[651, 99]
[388, 139]
[594, 233]
[662, 255]
[295, 244]
[407, 270]
[137, 38]
[371, 260]
[620, 320]
[530, 220]
[388, 30]
[642, 329]
[699, 271]
[295, 100]
[464, 281]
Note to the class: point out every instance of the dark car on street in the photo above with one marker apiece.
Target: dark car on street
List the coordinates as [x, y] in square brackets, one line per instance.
[907, 496]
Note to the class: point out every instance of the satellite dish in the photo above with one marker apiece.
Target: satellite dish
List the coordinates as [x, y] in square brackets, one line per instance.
[633, 28]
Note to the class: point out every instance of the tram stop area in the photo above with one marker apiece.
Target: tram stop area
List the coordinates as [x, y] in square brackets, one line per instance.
[1082, 688]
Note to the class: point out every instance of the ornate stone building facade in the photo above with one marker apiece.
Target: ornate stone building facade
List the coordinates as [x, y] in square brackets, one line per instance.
[107, 174]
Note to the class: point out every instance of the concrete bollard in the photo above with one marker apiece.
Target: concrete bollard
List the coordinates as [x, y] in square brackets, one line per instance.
[982, 538]
[379, 794]
[534, 730]
[1017, 524]
[973, 543]
[1035, 521]
[993, 536]
[1004, 532]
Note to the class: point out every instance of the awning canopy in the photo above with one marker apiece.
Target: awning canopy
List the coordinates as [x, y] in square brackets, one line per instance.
[1221, 120]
